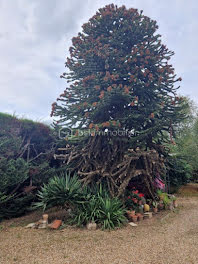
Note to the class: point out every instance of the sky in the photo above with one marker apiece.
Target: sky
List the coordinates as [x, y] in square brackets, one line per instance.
[35, 36]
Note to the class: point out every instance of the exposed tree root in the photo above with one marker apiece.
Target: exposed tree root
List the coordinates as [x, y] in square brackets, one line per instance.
[104, 160]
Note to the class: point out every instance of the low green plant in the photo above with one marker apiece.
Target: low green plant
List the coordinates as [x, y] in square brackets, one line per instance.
[155, 204]
[64, 190]
[100, 208]
[163, 196]
[14, 205]
[111, 213]
[166, 201]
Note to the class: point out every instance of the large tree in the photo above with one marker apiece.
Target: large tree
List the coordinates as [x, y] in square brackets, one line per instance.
[120, 78]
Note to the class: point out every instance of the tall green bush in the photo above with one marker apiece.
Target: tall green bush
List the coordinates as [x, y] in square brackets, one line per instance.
[26, 150]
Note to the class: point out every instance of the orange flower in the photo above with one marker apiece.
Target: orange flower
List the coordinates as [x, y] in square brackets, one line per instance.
[126, 90]
[108, 74]
[96, 127]
[97, 87]
[85, 103]
[114, 123]
[86, 114]
[109, 89]
[150, 76]
[91, 125]
[147, 51]
[94, 104]
[144, 74]
[152, 115]
[132, 103]
[101, 94]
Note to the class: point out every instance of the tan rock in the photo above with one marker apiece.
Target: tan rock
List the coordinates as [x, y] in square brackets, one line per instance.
[91, 226]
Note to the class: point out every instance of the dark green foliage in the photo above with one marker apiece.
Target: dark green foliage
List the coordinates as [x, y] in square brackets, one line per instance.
[120, 76]
[26, 149]
[179, 172]
[87, 205]
[184, 160]
[119, 80]
[24, 138]
[12, 173]
[62, 190]
[100, 208]
[13, 206]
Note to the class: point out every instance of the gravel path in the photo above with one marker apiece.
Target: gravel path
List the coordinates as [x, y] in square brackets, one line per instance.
[168, 238]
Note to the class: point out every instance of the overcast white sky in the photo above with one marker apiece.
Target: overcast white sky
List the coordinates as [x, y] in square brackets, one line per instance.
[35, 36]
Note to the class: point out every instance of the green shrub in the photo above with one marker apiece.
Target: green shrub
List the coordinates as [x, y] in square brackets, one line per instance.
[12, 172]
[179, 172]
[26, 150]
[13, 205]
[107, 212]
[63, 190]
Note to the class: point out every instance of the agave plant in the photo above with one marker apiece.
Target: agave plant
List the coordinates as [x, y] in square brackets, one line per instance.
[64, 190]
[107, 212]
[111, 213]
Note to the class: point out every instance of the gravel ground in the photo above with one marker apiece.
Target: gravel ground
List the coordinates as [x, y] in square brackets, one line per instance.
[168, 238]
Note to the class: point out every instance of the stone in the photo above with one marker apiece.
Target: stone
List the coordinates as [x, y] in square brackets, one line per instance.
[148, 215]
[171, 207]
[175, 204]
[91, 226]
[56, 224]
[45, 217]
[31, 225]
[43, 225]
[132, 224]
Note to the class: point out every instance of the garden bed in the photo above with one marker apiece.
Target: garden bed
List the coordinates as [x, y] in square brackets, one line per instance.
[170, 237]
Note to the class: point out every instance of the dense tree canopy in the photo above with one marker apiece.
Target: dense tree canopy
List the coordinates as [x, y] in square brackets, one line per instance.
[121, 76]
[120, 79]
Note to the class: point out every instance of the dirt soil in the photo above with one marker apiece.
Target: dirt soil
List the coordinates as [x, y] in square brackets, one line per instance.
[170, 237]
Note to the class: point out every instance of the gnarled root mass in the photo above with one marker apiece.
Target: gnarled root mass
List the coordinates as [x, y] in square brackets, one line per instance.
[105, 160]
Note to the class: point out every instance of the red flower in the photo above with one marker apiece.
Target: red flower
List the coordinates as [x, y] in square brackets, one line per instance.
[141, 195]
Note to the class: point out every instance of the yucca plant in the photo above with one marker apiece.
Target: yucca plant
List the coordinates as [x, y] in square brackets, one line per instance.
[86, 212]
[107, 212]
[64, 190]
[111, 213]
